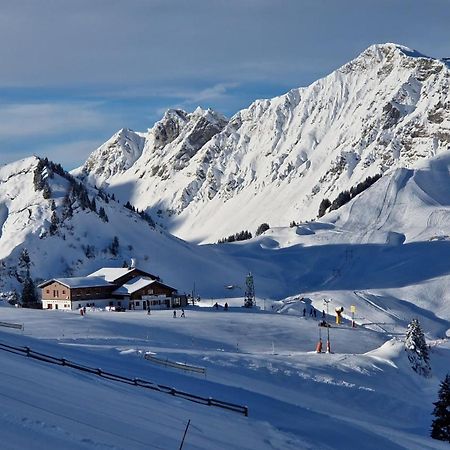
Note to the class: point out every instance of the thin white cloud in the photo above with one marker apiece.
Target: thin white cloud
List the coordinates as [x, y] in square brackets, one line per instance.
[47, 119]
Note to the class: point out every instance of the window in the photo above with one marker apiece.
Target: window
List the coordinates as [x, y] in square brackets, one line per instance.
[137, 303]
[49, 306]
[47, 291]
[64, 292]
[56, 306]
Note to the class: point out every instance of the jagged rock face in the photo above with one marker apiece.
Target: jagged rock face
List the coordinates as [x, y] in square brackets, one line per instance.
[168, 146]
[275, 161]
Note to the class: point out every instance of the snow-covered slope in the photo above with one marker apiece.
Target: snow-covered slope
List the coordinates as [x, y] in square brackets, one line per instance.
[386, 251]
[78, 240]
[275, 161]
[364, 396]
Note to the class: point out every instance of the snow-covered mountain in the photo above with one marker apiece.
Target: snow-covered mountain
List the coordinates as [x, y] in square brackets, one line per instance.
[170, 144]
[69, 229]
[387, 250]
[276, 160]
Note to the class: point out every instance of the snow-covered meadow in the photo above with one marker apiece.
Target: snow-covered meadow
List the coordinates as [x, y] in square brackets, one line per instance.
[365, 392]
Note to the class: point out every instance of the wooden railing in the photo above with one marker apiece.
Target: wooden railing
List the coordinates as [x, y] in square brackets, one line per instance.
[209, 401]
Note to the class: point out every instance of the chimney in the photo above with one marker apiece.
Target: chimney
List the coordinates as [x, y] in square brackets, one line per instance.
[133, 264]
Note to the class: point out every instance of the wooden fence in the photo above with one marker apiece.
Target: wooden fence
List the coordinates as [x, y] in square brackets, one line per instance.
[209, 401]
[18, 326]
[174, 364]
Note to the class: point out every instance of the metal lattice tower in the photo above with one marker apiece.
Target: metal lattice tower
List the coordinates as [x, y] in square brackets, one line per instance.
[250, 299]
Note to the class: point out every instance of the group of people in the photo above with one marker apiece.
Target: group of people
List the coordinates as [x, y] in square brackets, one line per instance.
[313, 313]
[225, 307]
[175, 313]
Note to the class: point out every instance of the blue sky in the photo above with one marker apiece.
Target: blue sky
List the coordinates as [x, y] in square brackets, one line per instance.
[74, 72]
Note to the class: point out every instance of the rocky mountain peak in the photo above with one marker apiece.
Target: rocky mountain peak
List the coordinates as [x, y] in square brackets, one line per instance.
[280, 157]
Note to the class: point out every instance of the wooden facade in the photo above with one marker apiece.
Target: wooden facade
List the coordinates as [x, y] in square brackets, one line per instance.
[58, 291]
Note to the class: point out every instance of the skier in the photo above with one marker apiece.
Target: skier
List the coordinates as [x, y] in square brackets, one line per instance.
[226, 307]
[323, 314]
[174, 314]
[315, 313]
[311, 312]
[84, 309]
[149, 312]
[182, 313]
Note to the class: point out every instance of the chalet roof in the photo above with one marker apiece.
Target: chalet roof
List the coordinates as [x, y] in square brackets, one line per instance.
[78, 282]
[112, 274]
[134, 285]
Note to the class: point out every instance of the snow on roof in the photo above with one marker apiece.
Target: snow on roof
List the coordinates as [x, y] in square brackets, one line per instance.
[135, 284]
[79, 282]
[110, 274]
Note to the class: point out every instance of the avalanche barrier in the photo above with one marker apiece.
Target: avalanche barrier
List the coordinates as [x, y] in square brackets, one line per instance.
[209, 401]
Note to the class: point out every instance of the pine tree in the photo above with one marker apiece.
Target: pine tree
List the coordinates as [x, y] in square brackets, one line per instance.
[29, 294]
[102, 214]
[47, 192]
[93, 205]
[440, 428]
[67, 211]
[25, 261]
[114, 247]
[14, 298]
[54, 221]
[262, 228]
[53, 205]
[324, 205]
[417, 350]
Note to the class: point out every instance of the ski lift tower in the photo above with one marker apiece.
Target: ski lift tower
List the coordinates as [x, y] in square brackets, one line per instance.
[250, 299]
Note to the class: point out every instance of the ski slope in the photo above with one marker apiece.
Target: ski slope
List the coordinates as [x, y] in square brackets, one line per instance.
[297, 399]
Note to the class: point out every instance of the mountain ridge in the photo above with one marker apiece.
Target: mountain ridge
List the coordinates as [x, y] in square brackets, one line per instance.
[388, 107]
